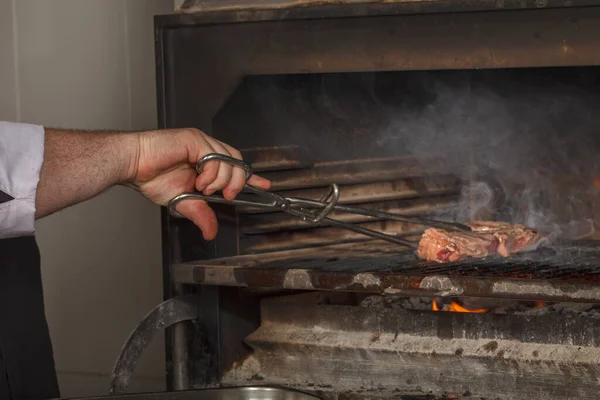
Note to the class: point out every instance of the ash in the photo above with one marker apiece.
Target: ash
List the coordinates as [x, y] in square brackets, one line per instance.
[405, 303]
[566, 309]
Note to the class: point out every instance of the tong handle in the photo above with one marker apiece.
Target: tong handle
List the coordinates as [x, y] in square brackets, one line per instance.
[274, 200]
[229, 160]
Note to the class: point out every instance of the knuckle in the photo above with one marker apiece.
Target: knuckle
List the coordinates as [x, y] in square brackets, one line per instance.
[195, 131]
[192, 133]
[236, 154]
[211, 169]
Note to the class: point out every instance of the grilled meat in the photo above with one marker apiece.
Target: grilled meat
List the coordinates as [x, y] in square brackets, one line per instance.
[487, 237]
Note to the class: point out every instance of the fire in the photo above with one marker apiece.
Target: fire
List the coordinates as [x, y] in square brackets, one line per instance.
[539, 304]
[455, 307]
[458, 308]
[597, 182]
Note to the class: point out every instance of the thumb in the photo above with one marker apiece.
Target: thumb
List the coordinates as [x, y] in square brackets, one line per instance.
[200, 214]
[259, 182]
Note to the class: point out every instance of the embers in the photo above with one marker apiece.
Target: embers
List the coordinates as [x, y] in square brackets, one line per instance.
[448, 304]
[482, 305]
[456, 307]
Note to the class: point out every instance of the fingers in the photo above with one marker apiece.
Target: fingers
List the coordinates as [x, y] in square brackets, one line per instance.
[260, 182]
[200, 214]
[214, 175]
[238, 176]
[217, 175]
[224, 172]
[210, 171]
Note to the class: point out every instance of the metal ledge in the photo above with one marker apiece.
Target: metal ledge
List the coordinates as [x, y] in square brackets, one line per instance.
[287, 9]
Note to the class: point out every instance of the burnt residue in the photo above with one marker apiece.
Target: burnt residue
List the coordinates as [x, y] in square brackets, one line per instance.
[393, 325]
[491, 346]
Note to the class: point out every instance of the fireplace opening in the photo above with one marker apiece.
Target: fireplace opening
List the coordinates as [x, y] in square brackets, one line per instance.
[457, 116]
[514, 145]
[517, 145]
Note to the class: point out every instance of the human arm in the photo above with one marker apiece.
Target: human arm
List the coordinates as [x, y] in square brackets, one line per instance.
[159, 164]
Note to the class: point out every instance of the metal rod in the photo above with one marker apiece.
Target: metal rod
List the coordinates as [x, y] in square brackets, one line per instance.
[385, 215]
[180, 379]
[371, 233]
[180, 354]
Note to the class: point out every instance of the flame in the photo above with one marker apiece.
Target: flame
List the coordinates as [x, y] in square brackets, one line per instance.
[597, 182]
[455, 307]
[458, 308]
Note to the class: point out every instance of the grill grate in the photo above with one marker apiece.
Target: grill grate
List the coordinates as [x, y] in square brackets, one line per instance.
[565, 272]
[564, 261]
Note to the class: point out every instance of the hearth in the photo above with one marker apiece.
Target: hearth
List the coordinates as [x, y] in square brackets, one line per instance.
[443, 109]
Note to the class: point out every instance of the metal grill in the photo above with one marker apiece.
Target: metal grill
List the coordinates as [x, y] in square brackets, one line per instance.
[575, 261]
[565, 272]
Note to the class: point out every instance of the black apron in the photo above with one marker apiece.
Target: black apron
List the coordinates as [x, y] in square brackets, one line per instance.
[26, 359]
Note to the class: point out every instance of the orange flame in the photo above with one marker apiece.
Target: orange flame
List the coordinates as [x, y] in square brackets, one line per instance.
[539, 304]
[455, 307]
[597, 182]
[458, 308]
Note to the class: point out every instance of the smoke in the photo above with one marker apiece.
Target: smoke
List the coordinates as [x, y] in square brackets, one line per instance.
[524, 141]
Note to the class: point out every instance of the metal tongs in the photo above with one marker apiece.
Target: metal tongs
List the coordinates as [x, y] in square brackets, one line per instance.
[309, 211]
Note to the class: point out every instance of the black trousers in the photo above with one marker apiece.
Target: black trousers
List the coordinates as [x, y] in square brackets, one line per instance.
[26, 360]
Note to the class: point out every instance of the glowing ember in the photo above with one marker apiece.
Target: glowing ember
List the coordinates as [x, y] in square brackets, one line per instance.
[455, 307]
[597, 182]
[539, 304]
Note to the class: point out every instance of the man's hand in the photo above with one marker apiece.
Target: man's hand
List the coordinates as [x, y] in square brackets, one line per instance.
[165, 166]
[159, 164]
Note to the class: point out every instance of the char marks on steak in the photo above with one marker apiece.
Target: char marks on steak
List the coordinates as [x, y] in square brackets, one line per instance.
[487, 237]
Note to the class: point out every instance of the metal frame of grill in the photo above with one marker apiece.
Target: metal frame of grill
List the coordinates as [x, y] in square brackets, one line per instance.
[202, 58]
[572, 274]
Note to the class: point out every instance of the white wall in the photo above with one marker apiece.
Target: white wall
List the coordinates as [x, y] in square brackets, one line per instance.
[90, 64]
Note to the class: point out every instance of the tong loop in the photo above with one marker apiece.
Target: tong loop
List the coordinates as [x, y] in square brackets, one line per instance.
[309, 211]
[230, 160]
[330, 199]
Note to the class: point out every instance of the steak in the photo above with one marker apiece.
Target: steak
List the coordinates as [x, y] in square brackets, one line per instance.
[487, 238]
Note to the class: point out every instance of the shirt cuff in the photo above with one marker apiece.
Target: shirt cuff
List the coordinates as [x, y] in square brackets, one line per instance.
[21, 158]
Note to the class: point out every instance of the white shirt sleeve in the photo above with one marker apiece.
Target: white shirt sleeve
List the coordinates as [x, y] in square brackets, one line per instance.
[21, 157]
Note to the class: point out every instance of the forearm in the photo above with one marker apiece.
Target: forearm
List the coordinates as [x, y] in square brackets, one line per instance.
[80, 165]
[44, 170]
